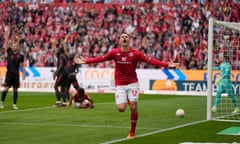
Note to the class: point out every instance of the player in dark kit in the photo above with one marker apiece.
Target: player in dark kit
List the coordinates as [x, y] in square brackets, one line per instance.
[71, 69]
[15, 60]
[65, 74]
[61, 78]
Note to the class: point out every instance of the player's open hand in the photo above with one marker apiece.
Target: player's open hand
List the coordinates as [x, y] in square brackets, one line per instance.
[79, 60]
[173, 65]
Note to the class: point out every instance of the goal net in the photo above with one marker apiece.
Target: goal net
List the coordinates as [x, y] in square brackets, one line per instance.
[223, 98]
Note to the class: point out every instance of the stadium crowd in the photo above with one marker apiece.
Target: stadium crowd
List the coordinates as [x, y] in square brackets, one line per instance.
[176, 31]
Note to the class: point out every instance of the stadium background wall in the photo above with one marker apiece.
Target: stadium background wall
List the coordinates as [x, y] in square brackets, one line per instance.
[40, 79]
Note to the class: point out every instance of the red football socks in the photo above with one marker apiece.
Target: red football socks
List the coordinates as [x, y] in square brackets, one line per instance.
[134, 118]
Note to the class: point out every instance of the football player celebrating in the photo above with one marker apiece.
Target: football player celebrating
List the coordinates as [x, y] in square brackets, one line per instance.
[126, 59]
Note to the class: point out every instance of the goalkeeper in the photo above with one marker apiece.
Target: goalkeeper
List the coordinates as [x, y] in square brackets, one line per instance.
[225, 85]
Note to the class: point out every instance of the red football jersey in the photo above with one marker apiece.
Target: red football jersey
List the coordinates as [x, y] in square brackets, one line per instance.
[126, 63]
[77, 98]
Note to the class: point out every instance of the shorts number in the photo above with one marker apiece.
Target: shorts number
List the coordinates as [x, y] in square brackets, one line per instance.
[134, 92]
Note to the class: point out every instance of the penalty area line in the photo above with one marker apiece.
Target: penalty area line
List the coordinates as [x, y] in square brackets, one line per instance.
[155, 132]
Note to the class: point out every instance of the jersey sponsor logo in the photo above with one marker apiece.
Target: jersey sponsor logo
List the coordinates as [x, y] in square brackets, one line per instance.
[124, 58]
[123, 62]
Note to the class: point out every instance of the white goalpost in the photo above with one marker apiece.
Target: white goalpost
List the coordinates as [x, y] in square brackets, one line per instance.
[223, 43]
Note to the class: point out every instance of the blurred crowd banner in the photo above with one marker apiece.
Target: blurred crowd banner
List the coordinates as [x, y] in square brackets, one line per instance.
[102, 80]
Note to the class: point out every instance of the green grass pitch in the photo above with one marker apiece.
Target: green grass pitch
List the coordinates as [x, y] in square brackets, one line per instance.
[37, 122]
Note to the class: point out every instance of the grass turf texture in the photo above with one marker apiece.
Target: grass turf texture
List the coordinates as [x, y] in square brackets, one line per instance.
[38, 122]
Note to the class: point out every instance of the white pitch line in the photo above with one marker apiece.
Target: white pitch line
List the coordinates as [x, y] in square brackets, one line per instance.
[154, 132]
[41, 108]
[71, 125]
[25, 110]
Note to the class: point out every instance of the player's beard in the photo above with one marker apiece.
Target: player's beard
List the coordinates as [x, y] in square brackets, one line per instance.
[15, 50]
[14, 47]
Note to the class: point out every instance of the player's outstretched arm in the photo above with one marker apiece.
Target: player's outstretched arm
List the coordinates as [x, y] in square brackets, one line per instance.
[173, 65]
[6, 36]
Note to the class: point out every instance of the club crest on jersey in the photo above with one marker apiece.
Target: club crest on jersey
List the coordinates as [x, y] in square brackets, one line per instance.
[130, 54]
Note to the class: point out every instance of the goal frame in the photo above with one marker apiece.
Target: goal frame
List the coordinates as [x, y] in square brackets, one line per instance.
[211, 23]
